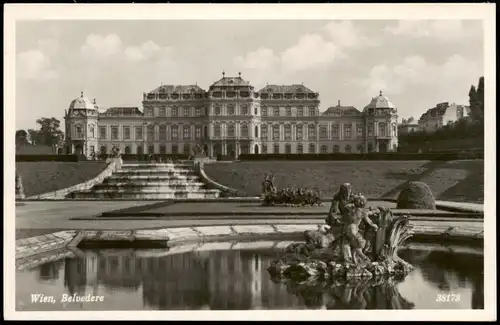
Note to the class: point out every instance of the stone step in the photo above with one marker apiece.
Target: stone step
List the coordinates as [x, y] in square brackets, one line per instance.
[152, 182]
[152, 178]
[159, 165]
[160, 187]
[140, 195]
[171, 172]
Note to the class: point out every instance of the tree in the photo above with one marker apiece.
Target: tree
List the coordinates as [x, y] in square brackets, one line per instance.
[480, 97]
[49, 133]
[22, 138]
[410, 120]
[476, 101]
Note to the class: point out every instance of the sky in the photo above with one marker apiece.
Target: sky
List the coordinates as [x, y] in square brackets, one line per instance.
[416, 63]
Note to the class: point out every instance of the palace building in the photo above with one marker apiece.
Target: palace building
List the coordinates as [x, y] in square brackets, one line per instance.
[229, 119]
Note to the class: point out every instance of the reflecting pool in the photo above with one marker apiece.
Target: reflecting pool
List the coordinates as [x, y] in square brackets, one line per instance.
[229, 276]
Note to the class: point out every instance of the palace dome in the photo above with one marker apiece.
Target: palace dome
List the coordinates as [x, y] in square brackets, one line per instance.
[380, 102]
[82, 103]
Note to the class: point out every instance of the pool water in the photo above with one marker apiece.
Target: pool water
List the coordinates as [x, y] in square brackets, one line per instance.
[237, 279]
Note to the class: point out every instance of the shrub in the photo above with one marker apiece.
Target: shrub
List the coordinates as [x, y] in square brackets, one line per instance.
[394, 156]
[294, 197]
[31, 158]
[155, 157]
[416, 195]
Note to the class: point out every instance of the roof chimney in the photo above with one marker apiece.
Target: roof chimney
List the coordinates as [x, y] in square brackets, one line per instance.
[94, 101]
[339, 102]
[239, 74]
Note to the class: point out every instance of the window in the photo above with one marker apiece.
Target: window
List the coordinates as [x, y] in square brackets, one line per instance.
[197, 111]
[300, 111]
[347, 149]
[186, 111]
[276, 111]
[186, 132]
[300, 148]
[244, 131]
[288, 111]
[230, 130]
[359, 131]
[163, 111]
[217, 109]
[149, 111]
[140, 151]
[114, 133]
[323, 149]
[347, 131]
[187, 149]
[151, 149]
[92, 131]
[336, 149]
[127, 150]
[175, 149]
[138, 132]
[263, 132]
[288, 148]
[102, 132]
[264, 148]
[256, 110]
[126, 133]
[78, 131]
[264, 111]
[197, 132]
[370, 130]
[288, 132]
[103, 150]
[244, 110]
[382, 129]
[300, 132]
[175, 132]
[311, 132]
[163, 149]
[370, 147]
[312, 111]
[162, 134]
[256, 131]
[360, 148]
[335, 132]
[175, 111]
[312, 148]
[276, 148]
[217, 130]
[323, 132]
[276, 132]
[92, 150]
[230, 109]
[151, 133]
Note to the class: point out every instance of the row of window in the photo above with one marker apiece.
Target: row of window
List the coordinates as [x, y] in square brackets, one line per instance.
[231, 131]
[277, 111]
[312, 148]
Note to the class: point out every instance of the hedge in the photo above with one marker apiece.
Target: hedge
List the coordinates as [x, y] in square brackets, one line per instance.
[440, 156]
[64, 158]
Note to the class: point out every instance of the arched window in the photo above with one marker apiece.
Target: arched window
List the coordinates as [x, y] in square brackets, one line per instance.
[288, 148]
[300, 148]
[217, 130]
[256, 131]
[276, 148]
[140, 151]
[230, 130]
[336, 149]
[127, 150]
[382, 129]
[347, 149]
[244, 131]
[312, 148]
[324, 149]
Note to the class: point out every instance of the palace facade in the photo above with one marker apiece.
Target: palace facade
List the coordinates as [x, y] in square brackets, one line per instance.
[231, 118]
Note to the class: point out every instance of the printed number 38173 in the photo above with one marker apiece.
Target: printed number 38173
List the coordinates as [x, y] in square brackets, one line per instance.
[447, 297]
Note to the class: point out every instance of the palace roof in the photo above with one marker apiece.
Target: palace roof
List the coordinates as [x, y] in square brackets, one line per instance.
[82, 103]
[231, 82]
[341, 111]
[121, 111]
[168, 89]
[285, 89]
[379, 102]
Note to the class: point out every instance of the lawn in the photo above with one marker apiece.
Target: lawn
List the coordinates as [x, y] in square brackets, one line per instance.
[460, 181]
[47, 176]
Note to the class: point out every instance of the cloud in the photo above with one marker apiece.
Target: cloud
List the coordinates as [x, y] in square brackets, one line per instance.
[260, 59]
[312, 51]
[344, 34]
[142, 52]
[442, 29]
[102, 46]
[414, 72]
[37, 63]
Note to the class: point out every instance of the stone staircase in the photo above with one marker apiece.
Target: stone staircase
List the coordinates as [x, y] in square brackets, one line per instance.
[150, 181]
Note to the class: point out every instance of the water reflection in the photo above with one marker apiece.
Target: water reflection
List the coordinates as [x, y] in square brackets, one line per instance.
[238, 280]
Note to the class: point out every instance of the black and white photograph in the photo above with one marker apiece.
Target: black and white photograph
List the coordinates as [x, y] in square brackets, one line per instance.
[281, 162]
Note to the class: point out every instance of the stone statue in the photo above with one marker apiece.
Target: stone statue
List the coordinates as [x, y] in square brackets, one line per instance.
[355, 242]
[268, 184]
[115, 152]
[19, 187]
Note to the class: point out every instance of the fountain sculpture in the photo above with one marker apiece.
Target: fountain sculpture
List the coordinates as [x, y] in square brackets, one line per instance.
[356, 242]
[288, 196]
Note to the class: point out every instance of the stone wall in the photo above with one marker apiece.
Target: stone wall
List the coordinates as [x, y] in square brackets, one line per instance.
[113, 165]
